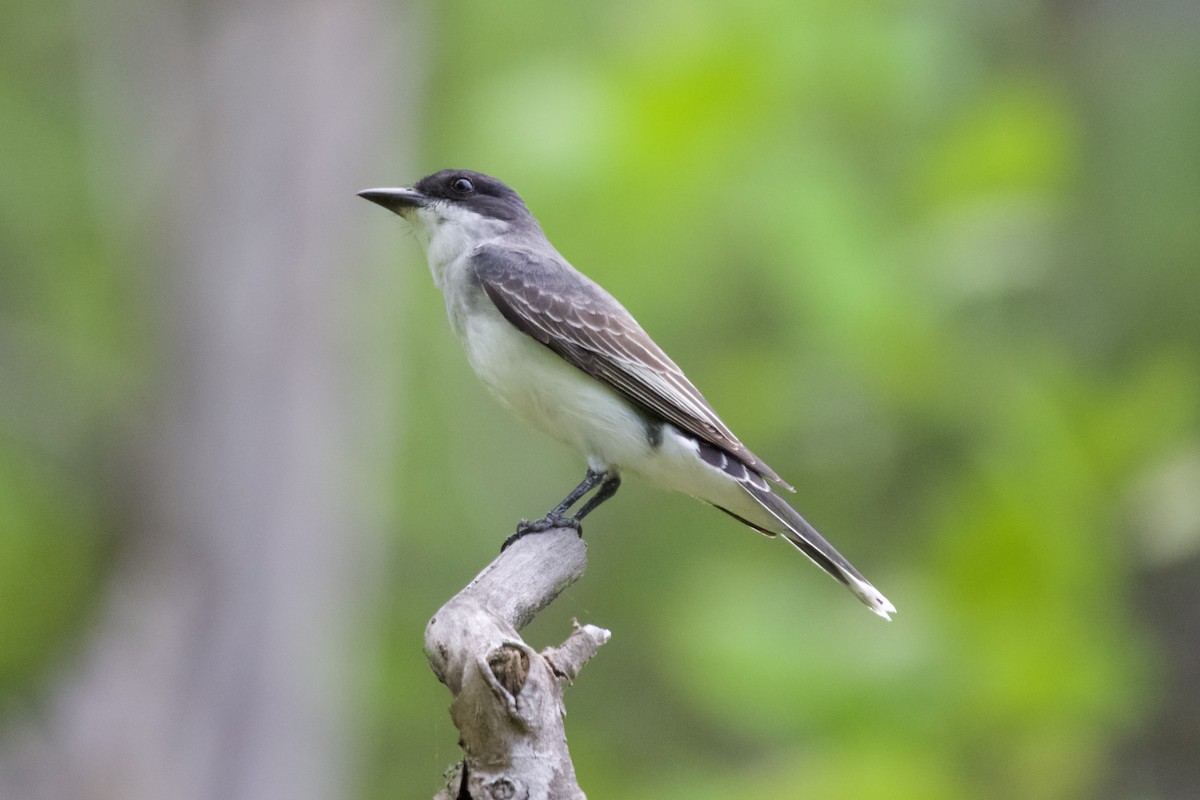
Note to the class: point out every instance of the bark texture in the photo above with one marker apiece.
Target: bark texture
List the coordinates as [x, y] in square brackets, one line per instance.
[508, 698]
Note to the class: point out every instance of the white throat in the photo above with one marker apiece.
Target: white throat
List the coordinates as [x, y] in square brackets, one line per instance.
[448, 232]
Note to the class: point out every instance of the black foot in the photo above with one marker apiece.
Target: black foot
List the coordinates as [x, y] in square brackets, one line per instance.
[557, 518]
[551, 520]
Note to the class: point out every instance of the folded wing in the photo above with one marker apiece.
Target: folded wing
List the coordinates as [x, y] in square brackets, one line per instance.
[577, 319]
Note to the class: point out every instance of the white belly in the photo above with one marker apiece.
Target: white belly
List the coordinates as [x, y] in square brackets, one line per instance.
[561, 400]
[553, 396]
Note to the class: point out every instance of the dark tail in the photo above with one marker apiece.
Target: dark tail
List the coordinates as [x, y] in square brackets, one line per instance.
[806, 539]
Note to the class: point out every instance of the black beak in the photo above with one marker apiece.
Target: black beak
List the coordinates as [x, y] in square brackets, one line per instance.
[395, 200]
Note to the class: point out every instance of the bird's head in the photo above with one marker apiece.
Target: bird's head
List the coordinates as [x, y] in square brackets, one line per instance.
[454, 196]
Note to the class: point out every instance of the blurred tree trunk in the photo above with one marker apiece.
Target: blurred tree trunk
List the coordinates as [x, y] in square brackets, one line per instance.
[215, 668]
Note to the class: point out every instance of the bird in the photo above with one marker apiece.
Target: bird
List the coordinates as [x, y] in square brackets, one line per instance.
[563, 354]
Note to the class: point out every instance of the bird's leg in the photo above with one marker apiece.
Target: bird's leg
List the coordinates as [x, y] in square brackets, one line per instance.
[586, 485]
[557, 518]
[608, 487]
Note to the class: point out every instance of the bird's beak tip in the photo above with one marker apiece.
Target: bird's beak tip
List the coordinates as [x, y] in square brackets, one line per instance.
[395, 200]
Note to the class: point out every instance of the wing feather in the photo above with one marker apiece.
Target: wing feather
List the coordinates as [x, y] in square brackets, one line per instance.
[577, 319]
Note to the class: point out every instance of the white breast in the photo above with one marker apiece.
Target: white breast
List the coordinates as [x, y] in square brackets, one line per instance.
[550, 394]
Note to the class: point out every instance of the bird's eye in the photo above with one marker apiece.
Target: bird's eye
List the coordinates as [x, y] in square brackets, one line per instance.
[462, 186]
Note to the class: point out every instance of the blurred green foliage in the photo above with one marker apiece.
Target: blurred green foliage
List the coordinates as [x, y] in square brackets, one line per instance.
[936, 262]
[67, 355]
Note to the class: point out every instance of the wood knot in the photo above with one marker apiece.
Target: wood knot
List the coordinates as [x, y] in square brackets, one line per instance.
[510, 664]
[504, 789]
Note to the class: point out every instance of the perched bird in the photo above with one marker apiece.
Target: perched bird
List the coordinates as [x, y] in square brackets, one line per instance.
[563, 354]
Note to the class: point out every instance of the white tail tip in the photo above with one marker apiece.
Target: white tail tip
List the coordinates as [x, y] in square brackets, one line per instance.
[872, 598]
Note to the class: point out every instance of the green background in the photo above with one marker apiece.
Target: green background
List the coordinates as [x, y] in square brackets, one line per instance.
[937, 263]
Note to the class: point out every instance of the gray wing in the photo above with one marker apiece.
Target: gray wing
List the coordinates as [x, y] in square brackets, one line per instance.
[573, 316]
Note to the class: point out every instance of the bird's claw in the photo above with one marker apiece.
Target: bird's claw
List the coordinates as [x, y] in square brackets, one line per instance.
[548, 522]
